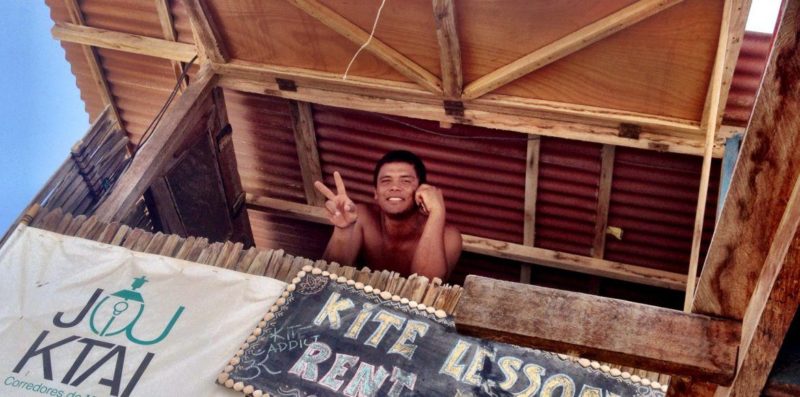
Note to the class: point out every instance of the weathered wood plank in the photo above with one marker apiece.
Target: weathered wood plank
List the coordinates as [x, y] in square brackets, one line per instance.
[531, 187]
[174, 130]
[126, 42]
[569, 44]
[506, 250]
[358, 36]
[769, 163]
[599, 328]
[603, 200]
[305, 138]
[712, 113]
[208, 40]
[773, 304]
[474, 116]
[449, 48]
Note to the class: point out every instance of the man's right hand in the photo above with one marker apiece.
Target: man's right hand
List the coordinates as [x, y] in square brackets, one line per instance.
[341, 210]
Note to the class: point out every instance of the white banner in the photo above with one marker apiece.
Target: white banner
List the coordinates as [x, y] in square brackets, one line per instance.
[80, 318]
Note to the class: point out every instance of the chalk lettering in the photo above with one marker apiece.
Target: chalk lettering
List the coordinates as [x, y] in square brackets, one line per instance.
[509, 366]
[410, 332]
[402, 380]
[366, 381]
[591, 391]
[307, 366]
[452, 366]
[386, 320]
[476, 365]
[331, 311]
[534, 374]
[358, 323]
[558, 381]
[342, 363]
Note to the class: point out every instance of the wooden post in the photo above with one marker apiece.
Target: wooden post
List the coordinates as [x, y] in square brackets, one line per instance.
[531, 187]
[305, 138]
[168, 28]
[603, 201]
[208, 39]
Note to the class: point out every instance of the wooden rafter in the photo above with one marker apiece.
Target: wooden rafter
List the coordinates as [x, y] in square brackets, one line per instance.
[612, 330]
[579, 122]
[769, 163]
[714, 109]
[209, 41]
[603, 201]
[93, 61]
[136, 44]
[740, 9]
[772, 307]
[567, 45]
[531, 187]
[305, 139]
[158, 153]
[358, 36]
[506, 250]
[168, 29]
[449, 48]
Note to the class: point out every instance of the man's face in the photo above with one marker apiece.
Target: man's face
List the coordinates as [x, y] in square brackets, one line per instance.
[394, 192]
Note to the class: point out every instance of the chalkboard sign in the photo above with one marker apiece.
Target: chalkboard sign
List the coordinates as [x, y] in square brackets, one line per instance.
[329, 336]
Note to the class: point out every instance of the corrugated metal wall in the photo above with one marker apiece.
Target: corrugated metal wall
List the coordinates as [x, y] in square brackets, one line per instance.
[747, 77]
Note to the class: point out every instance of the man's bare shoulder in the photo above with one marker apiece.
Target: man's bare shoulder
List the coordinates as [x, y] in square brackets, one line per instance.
[367, 215]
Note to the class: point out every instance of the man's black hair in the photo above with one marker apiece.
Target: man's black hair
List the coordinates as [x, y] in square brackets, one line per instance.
[400, 156]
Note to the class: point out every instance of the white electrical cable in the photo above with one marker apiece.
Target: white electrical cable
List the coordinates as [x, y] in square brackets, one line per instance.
[366, 43]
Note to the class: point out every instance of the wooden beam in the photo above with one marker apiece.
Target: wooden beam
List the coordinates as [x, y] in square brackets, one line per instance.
[531, 187]
[489, 118]
[444, 15]
[175, 130]
[123, 42]
[506, 250]
[567, 45]
[92, 60]
[769, 163]
[305, 138]
[714, 109]
[603, 200]
[772, 307]
[598, 328]
[740, 9]
[208, 40]
[168, 29]
[358, 36]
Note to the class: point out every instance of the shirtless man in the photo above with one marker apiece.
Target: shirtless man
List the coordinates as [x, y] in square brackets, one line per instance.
[405, 231]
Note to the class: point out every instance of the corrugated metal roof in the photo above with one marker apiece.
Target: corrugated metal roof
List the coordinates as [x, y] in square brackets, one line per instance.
[264, 143]
[747, 77]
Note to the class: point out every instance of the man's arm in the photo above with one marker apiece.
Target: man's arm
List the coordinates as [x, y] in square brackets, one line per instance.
[345, 243]
[439, 245]
[347, 237]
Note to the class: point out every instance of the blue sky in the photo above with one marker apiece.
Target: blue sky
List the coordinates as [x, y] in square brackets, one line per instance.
[41, 109]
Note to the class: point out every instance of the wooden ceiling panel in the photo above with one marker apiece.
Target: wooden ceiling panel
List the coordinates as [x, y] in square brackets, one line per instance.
[497, 32]
[277, 33]
[659, 66]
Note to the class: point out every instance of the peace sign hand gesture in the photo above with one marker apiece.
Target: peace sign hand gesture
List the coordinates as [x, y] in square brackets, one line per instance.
[341, 210]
